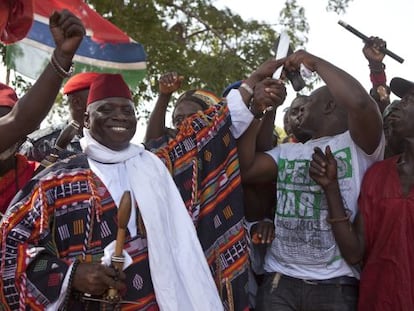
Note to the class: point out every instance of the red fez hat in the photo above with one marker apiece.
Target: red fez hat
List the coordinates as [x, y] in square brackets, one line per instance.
[7, 96]
[79, 82]
[16, 18]
[108, 85]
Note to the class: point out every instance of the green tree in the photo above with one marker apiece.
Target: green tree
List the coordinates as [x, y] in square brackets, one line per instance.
[210, 47]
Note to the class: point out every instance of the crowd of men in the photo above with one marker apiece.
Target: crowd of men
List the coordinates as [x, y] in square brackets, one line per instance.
[220, 215]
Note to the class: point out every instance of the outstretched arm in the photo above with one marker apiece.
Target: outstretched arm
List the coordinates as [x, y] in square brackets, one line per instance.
[348, 235]
[258, 166]
[67, 31]
[168, 84]
[372, 52]
[364, 119]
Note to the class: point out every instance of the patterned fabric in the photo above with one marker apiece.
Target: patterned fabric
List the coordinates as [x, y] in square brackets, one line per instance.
[64, 213]
[10, 184]
[40, 143]
[203, 161]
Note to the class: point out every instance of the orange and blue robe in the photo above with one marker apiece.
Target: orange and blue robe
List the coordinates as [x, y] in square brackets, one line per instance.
[64, 213]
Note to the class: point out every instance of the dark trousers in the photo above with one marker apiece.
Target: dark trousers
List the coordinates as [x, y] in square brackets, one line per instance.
[283, 293]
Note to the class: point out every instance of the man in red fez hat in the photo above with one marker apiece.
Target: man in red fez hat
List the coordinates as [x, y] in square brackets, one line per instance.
[65, 224]
[41, 143]
[67, 31]
[8, 96]
[16, 18]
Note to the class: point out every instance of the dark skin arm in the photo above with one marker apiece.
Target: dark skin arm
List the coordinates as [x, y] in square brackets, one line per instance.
[364, 119]
[168, 84]
[95, 279]
[265, 136]
[263, 232]
[372, 52]
[67, 31]
[260, 167]
[259, 200]
[264, 140]
[348, 236]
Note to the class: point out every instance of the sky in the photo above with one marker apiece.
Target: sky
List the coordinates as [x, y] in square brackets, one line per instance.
[392, 21]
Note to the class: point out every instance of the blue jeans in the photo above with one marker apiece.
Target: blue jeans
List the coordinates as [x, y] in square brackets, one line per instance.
[283, 293]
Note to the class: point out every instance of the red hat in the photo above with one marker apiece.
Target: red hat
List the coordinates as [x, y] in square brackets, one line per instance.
[79, 82]
[16, 18]
[7, 96]
[108, 85]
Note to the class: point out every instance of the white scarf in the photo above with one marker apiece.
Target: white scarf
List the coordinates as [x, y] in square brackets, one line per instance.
[180, 274]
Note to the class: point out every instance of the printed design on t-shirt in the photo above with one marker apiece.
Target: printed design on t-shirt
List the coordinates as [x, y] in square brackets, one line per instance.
[302, 234]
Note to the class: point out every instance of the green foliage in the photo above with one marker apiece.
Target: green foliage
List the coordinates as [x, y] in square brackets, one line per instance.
[293, 19]
[338, 6]
[211, 48]
[21, 85]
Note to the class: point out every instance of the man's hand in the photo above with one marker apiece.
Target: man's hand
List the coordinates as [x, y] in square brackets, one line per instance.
[263, 232]
[372, 50]
[67, 31]
[323, 168]
[268, 93]
[170, 82]
[95, 279]
[264, 71]
[293, 61]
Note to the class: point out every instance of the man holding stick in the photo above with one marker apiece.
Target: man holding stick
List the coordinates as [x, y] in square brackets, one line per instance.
[304, 265]
[58, 229]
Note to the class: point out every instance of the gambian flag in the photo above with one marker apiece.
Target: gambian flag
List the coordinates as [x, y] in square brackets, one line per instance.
[105, 47]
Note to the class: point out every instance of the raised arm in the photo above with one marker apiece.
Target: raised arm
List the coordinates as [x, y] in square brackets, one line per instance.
[260, 167]
[67, 31]
[348, 235]
[364, 119]
[265, 136]
[380, 92]
[168, 84]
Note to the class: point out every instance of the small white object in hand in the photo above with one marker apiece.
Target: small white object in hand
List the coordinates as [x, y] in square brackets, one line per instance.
[109, 251]
[305, 72]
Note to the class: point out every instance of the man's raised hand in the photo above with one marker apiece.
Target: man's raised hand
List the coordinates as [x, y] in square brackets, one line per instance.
[67, 31]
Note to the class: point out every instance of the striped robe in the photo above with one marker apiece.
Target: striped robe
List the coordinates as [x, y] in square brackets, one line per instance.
[62, 214]
[203, 161]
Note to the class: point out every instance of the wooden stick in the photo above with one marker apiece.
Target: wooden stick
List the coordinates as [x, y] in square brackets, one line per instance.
[124, 212]
[117, 260]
